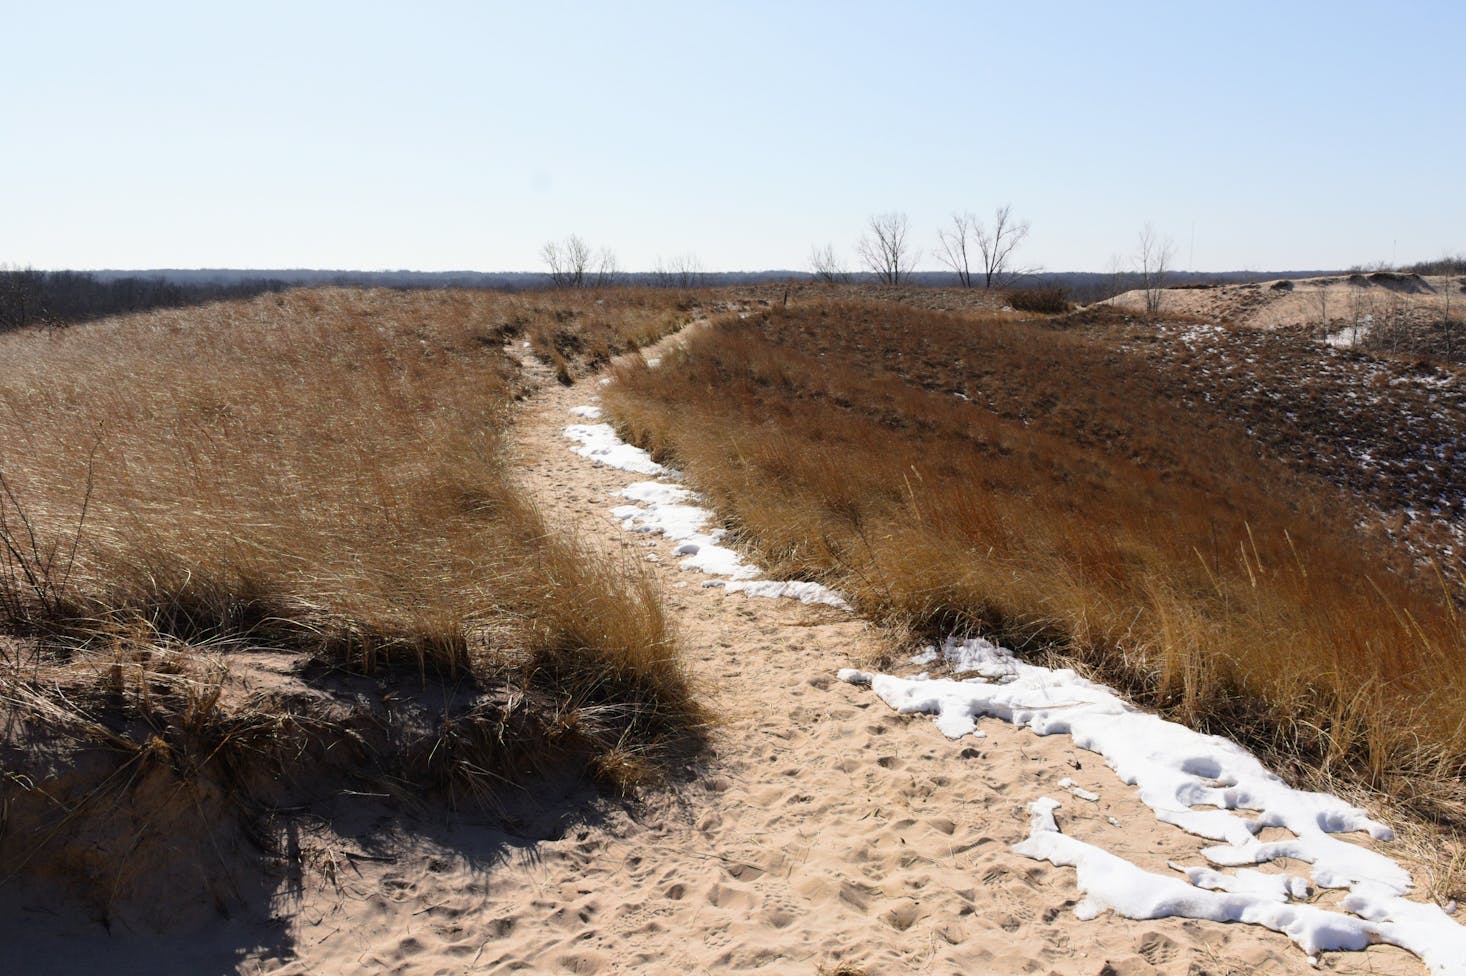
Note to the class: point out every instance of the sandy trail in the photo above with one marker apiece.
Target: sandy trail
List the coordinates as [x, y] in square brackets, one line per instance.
[826, 831]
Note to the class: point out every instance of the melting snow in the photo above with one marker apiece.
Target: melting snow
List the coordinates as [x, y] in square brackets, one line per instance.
[1350, 335]
[600, 443]
[1175, 771]
[801, 590]
[670, 510]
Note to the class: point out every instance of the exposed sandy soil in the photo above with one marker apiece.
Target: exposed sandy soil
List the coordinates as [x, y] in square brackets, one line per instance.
[823, 830]
[1331, 302]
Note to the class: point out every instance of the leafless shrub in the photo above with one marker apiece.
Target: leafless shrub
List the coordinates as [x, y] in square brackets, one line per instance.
[825, 266]
[1153, 259]
[1045, 301]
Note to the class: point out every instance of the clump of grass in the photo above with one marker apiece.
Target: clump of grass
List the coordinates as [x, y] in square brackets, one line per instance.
[965, 474]
[1044, 301]
[318, 471]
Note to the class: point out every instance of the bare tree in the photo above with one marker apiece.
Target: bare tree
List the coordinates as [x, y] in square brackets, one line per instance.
[1154, 258]
[1361, 313]
[682, 271]
[885, 250]
[825, 266]
[1119, 275]
[955, 245]
[573, 265]
[22, 296]
[996, 244]
[1448, 327]
[569, 261]
[605, 273]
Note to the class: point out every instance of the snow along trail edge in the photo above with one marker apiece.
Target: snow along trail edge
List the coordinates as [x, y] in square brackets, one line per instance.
[1175, 770]
[668, 509]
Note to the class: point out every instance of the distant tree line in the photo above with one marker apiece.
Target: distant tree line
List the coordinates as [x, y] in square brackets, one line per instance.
[1440, 266]
[31, 297]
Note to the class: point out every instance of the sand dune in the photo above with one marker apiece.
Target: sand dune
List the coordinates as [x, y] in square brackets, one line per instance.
[1331, 303]
[824, 831]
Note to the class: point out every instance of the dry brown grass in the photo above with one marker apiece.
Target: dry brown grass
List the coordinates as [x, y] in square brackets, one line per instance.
[319, 468]
[322, 463]
[318, 477]
[961, 473]
[579, 330]
[1386, 431]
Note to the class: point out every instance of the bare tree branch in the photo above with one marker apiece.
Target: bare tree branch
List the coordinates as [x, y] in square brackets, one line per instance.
[955, 245]
[569, 261]
[825, 266]
[1155, 265]
[885, 250]
[682, 271]
[996, 246]
[572, 265]
[606, 272]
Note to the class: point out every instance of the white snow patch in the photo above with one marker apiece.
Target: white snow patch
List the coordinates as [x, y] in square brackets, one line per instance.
[676, 522]
[600, 443]
[1350, 335]
[657, 493]
[1079, 791]
[1176, 771]
[801, 590]
[1273, 887]
[1110, 882]
[927, 655]
[670, 510]
[716, 560]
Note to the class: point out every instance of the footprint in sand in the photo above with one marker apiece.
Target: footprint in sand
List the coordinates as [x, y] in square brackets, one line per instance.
[902, 915]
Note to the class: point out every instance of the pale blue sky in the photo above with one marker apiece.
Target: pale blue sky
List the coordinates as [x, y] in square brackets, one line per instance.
[447, 135]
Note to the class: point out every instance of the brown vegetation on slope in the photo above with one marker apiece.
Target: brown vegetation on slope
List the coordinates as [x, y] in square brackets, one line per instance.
[259, 549]
[1387, 430]
[578, 330]
[979, 473]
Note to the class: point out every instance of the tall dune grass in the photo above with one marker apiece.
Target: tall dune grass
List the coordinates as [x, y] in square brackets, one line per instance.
[317, 471]
[957, 473]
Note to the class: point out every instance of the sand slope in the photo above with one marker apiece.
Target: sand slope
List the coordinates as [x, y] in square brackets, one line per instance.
[1329, 303]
